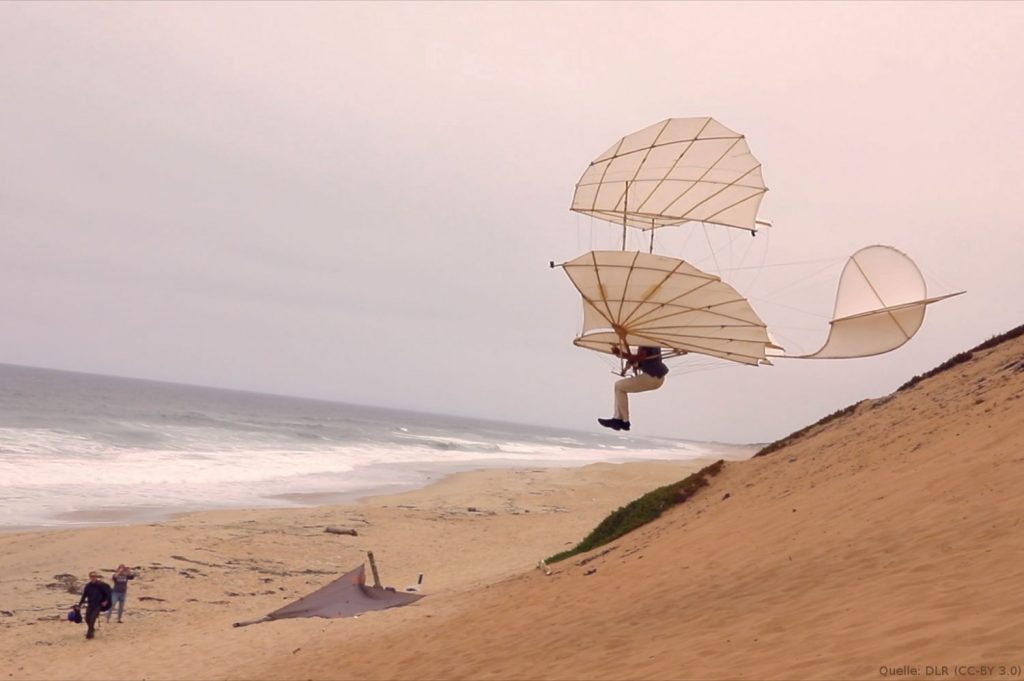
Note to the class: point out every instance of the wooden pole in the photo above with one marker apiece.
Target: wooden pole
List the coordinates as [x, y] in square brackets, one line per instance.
[373, 567]
[625, 209]
[265, 618]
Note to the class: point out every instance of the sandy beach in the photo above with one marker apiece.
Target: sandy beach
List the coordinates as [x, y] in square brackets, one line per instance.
[199, 573]
[883, 542]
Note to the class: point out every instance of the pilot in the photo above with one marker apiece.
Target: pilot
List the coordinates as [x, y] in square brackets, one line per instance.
[649, 373]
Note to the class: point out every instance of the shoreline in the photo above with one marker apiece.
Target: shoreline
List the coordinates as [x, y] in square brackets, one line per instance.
[418, 475]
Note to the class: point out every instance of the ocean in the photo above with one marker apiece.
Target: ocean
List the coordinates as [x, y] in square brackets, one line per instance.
[82, 449]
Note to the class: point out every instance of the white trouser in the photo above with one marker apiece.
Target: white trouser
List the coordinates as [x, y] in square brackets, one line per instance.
[634, 384]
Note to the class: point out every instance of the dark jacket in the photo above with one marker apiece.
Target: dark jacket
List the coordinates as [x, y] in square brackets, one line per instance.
[652, 364]
[96, 593]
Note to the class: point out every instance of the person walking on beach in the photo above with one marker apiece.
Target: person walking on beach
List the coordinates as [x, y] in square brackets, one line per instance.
[120, 591]
[649, 373]
[97, 593]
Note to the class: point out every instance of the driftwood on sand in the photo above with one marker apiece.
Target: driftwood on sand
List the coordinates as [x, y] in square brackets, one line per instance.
[341, 530]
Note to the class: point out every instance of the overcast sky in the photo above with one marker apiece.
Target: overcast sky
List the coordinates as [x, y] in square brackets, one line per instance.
[359, 201]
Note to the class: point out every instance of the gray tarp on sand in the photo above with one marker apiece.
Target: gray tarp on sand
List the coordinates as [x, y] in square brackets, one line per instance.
[344, 597]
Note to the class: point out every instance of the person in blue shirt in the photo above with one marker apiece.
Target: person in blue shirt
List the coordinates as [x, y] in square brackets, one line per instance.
[120, 591]
[649, 373]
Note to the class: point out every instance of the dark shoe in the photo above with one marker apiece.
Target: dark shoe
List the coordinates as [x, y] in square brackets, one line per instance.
[624, 425]
[89, 634]
[614, 424]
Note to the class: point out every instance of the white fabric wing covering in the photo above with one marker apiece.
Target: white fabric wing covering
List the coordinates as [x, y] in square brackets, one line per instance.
[643, 299]
[675, 171]
[880, 305]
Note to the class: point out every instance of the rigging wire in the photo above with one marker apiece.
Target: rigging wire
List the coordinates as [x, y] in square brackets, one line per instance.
[764, 256]
[800, 281]
[932, 276]
[726, 257]
[781, 264]
[711, 248]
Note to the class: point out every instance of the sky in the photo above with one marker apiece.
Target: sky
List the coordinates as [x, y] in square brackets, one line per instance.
[359, 201]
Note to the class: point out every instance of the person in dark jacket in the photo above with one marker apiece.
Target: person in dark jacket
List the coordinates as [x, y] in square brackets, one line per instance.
[649, 373]
[97, 593]
[120, 591]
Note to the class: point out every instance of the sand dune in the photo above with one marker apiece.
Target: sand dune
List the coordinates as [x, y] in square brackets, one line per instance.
[888, 538]
[884, 542]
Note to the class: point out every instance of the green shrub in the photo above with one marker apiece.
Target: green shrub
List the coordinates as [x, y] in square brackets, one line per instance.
[642, 511]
